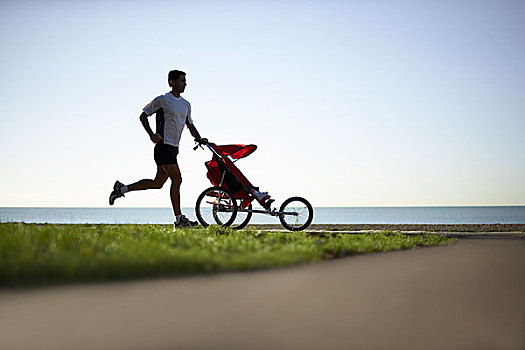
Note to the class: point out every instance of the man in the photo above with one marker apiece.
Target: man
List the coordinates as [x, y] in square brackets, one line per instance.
[172, 113]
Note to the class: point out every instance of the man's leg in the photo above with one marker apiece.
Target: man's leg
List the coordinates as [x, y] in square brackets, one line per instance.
[147, 184]
[173, 171]
[119, 189]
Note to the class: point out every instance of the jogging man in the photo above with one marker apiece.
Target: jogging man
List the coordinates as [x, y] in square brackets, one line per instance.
[172, 113]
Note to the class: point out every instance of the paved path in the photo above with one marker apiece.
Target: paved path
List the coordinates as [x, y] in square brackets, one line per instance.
[470, 295]
[507, 234]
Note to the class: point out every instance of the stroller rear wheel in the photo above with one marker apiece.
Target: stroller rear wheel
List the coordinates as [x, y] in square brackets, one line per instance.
[216, 205]
[241, 219]
[297, 214]
[243, 216]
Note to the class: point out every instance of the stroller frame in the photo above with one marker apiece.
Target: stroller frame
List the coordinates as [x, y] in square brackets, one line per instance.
[231, 194]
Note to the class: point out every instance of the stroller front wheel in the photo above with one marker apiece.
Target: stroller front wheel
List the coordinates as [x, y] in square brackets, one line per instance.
[296, 214]
[216, 205]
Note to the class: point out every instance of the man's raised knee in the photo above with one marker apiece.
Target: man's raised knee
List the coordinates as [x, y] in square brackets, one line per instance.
[157, 183]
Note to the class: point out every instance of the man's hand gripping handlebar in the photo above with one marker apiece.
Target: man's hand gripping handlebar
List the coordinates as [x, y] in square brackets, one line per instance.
[200, 142]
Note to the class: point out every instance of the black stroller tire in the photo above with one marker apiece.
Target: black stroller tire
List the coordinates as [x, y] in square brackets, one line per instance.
[207, 212]
[304, 217]
[246, 220]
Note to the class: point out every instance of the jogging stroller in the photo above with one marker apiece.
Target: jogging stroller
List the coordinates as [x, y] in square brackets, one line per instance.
[229, 201]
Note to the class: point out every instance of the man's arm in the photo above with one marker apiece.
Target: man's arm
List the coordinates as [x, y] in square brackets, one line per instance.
[145, 123]
[193, 131]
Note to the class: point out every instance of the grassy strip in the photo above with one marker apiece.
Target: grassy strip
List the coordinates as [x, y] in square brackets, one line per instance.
[36, 254]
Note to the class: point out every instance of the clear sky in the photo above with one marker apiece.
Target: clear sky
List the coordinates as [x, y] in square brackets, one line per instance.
[351, 103]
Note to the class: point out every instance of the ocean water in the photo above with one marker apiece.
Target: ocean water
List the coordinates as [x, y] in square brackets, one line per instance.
[339, 215]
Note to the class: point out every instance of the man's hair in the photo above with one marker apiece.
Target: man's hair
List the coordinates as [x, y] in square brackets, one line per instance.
[174, 75]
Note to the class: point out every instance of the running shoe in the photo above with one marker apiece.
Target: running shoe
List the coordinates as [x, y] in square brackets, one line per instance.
[116, 192]
[185, 223]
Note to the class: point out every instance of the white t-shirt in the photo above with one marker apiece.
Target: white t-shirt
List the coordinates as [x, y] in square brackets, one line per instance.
[172, 115]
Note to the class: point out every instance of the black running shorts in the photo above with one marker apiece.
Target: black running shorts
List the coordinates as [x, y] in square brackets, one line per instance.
[165, 154]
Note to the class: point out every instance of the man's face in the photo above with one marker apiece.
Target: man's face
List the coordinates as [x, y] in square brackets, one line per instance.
[180, 84]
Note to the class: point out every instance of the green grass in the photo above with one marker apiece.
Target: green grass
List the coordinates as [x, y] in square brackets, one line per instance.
[46, 253]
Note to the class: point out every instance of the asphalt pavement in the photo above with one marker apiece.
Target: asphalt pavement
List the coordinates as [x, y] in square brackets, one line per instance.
[468, 295]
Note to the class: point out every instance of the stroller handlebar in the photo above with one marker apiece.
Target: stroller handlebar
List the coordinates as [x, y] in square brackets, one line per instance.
[200, 142]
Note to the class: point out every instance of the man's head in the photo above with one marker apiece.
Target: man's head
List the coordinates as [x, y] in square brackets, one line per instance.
[177, 80]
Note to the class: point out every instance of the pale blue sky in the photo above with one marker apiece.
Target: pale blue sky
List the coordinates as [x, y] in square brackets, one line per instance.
[352, 103]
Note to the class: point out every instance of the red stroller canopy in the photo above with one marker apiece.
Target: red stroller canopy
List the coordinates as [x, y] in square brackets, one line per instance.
[234, 151]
